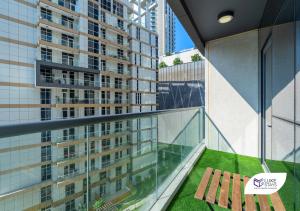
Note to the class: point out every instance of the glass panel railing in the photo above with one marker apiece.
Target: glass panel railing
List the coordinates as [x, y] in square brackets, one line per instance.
[214, 138]
[123, 164]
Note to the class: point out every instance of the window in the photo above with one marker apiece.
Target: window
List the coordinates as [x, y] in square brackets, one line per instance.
[102, 190]
[89, 96]
[45, 114]
[46, 172]
[118, 170]
[46, 54]
[67, 40]
[103, 175]
[93, 28]
[118, 110]
[69, 189]
[103, 49]
[46, 136]
[118, 8]
[89, 79]
[89, 111]
[72, 112]
[121, 24]
[46, 34]
[103, 65]
[46, 14]
[45, 153]
[105, 80]
[105, 128]
[118, 141]
[118, 155]
[106, 4]
[118, 97]
[138, 98]
[105, 161]
[45, 96]
[93, 45]
[103, 33]
[105, 144]
[67, 58]
[46, 193]
[69, 151]
[93, 10]
[70, 4]
[67, 22]
[46, 75]
[105, 110]
[70, 205]
[118, 185]
[93, 62]
[118, 126]
[90, 131]
[64, 113]
[138, 33]
[120, 53]
[118, 83]
[103, 16]
[69, 169]
[93, 164]
[120, 68]
[120, 39]
[92, 147]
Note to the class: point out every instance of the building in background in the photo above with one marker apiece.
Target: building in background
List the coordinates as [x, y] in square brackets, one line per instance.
[181, 85]
[185, 56]
[69, 59]
[162, 20]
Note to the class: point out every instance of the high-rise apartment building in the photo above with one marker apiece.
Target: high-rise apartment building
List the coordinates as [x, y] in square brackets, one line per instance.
[162, 20]
[70, 59]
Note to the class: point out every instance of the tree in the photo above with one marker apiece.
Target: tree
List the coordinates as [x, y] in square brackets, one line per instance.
[98, 204]
[177, 61]
[168, 54]
[196, 57]
[162, 65]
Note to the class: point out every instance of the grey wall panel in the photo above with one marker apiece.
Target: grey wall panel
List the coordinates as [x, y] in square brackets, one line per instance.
[282, 140]
[283, 71]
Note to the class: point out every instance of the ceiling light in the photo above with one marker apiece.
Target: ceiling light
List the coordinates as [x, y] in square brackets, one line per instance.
[225, 17]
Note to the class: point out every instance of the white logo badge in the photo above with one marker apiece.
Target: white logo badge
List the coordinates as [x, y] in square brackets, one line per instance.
[265, 183]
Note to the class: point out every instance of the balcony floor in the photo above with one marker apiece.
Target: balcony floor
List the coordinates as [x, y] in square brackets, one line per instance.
[184, 199]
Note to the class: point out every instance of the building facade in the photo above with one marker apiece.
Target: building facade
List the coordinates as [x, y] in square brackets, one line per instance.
[70, 59]
[163, 21]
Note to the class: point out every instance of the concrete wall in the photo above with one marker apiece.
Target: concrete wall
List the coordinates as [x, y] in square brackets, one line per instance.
[231, 84]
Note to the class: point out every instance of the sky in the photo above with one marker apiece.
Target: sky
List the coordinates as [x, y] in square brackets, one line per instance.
[183, 41]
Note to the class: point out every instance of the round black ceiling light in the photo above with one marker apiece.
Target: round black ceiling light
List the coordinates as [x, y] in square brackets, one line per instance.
[225, 17]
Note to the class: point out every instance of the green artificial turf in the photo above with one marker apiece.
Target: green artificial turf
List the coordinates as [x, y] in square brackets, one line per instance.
[184, 199]
[290, 192]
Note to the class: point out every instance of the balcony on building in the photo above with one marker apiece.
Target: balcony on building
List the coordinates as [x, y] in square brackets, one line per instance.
[155, 160]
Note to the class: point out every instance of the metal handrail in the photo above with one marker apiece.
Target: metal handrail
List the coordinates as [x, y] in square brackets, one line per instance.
[35, 127]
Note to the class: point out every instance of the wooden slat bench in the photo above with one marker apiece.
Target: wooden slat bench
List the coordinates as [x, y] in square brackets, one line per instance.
[209, 194]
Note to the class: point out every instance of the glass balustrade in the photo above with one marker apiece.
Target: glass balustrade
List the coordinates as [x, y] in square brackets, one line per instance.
[138, 157]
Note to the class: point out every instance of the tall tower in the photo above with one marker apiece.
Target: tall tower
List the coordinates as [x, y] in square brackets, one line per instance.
[165, 26]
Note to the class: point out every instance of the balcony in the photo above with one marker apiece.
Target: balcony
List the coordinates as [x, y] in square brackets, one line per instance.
[177, 142]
